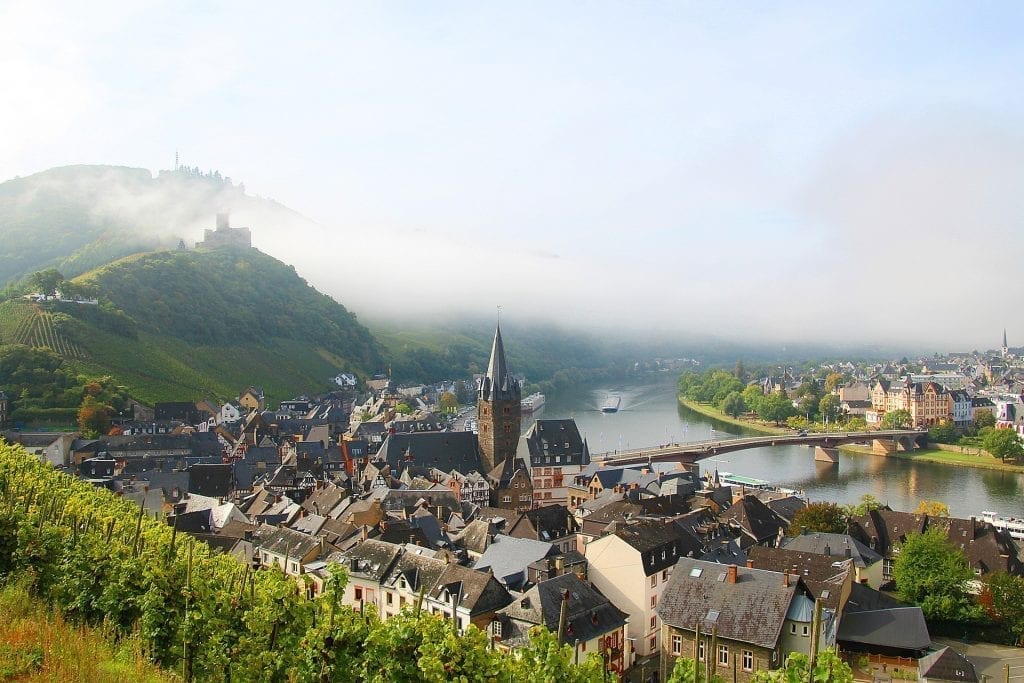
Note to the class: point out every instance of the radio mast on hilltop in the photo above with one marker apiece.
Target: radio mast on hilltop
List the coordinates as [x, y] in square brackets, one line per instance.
[175, 160]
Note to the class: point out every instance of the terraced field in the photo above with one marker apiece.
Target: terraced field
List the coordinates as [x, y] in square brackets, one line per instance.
[28, 324]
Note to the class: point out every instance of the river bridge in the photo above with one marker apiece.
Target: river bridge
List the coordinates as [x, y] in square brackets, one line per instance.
[825, 444]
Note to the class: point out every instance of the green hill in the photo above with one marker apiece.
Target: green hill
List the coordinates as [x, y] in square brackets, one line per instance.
[176, 325]
[76, 218]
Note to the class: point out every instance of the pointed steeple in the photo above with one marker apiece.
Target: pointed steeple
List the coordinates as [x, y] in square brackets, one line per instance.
[498, 383]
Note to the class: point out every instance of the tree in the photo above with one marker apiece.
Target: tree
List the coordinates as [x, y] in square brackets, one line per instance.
[933, 574]
[830, 407]
[47, 281]
[984, 419]
[461, 393]
[752, 397]
[1003, 598]
[797, 422]
[733, 404]
[828, 668]
[775, 408]
[824, 516]
[448, 402]
[808, 405]
[93, 418]
[543, 659]
[1002, 443]
[403, 409]
[945, 432]
[740, 373]
[856, 424]
[932, 508]
[833, 381]
[867, 504]
[897, 419]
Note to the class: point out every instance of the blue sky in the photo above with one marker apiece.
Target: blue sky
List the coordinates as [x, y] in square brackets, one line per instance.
[727, 168]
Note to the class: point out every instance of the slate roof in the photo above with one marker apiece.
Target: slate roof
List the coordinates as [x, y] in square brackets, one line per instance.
[478, 591]
[556, 441]
[883, 529]
[822, 575]
[755, 518]
[508, 558]
[659, 543]
[370, 559]
[444, 450]
[834, 545]
[309, 524]
[210, 480]
[752, 610]
[547, 523]
[322, 500]
[900, 628]
[588, 613]
[947, 665]
[498, 384]
[281, 540]
[420, 570]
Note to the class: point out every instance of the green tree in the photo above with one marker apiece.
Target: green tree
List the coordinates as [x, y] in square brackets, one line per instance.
[1003, 599]
[828, 668]
[733, 404]
[461, 393]
[984, 419]
[856, 424]
[1002, 443]
[448, 402]
[830, 407]
[824, 516]
[867, 504]
[797, 422]
[403, 409]
[897, 419]
[775, 408]
[752, 397]
[46, 281]
[946, 432]
[933, 574]
[740, 373]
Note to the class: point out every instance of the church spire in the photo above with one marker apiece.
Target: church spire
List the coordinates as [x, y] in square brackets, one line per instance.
[498, 383]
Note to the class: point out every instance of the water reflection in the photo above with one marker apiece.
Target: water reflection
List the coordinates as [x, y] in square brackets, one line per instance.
[650, 415]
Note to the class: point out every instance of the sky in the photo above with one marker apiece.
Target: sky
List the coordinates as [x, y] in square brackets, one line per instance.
[834, 172]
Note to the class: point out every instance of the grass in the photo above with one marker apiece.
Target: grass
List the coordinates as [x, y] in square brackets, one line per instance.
[37, 644]
[944, 456]
[711, 411]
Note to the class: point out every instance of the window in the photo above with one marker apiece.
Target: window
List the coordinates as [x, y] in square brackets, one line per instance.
[654, 623]
[677, 644]
[390, 598]
[700, 651]
[654, 601]
[359, 593]
[654, 642]
[506, 499]
[806, 631]
[748, 660]
[664, 575]
[723, 655]
[525, 498]
[654, 580]
[792, 629]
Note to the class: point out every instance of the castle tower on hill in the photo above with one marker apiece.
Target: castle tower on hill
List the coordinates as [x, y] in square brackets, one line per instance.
[499, 419]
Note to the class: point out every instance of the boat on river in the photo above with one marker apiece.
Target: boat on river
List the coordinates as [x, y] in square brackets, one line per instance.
[611, 404]
[532, 403]
[1011, 525]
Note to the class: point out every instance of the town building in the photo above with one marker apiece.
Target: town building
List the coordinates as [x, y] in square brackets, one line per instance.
[498, 410]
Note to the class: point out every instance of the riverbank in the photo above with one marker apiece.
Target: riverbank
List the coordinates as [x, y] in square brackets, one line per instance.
[943, 456]
[708, 410]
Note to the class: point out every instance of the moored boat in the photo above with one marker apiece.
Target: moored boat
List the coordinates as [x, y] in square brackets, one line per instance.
[532, 403]
[611, 404]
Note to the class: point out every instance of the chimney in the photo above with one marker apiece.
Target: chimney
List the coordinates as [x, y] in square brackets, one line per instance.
[785, 579]
[364, 532]
[848, 553]
[559, 565]
[828, 551]
[750, 564]
[732, 573]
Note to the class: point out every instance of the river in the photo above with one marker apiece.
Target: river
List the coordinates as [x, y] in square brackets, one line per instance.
[650, 415]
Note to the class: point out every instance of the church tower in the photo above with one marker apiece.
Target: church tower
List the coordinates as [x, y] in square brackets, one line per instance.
[1006, 348]
[499, 419]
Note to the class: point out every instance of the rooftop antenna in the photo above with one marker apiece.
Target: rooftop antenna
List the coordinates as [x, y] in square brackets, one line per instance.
[175, 160]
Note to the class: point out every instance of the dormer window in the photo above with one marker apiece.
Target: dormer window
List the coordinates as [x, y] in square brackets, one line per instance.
[496, 628]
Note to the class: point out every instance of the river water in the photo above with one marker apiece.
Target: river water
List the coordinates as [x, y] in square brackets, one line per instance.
[650, 415]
